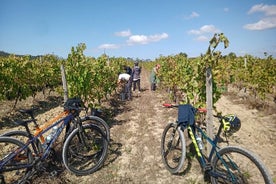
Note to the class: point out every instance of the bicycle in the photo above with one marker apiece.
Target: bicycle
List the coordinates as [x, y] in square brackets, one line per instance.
[84, 149]
[87, 119]
[230, 164]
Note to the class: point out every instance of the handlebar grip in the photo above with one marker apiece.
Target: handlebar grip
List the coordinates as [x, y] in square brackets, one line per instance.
[168, 105]
[202, 110]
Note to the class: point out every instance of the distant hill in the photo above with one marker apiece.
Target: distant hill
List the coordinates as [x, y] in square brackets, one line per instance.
[6, 54]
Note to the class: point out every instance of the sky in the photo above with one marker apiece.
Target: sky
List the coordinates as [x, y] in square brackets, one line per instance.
[143, 29]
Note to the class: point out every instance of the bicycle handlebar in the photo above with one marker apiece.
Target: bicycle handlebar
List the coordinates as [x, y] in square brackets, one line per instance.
[200, 110]
[168, 105]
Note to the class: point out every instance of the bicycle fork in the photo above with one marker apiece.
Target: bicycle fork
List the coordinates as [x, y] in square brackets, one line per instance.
[81, 132]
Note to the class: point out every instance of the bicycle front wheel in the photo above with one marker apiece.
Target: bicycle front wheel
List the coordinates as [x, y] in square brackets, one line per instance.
[238, 165]
[99, 122]
[85, 151]
[173, 148]
[15, 167]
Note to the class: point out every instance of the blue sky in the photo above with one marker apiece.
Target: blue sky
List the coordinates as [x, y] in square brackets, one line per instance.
[143, 29]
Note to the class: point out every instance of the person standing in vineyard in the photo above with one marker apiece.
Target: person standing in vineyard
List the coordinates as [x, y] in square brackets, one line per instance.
[125, 81]
[153, 77]
[136, 71]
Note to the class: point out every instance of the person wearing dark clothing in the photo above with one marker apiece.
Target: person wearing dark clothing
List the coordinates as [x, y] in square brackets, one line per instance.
[136, 71]
[128, 70]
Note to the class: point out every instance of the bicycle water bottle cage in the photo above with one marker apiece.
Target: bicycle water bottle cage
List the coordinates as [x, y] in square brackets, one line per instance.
[186, 114]
[73, 104]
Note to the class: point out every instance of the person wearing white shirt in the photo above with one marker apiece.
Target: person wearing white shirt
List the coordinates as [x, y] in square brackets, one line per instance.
[125, 80]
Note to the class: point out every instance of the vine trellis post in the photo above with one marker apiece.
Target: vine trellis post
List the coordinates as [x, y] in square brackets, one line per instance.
[211, 57]
[209, 104]
[64, 83]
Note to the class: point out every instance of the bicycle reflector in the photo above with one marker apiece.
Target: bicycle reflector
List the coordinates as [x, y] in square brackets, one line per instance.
[231, 123]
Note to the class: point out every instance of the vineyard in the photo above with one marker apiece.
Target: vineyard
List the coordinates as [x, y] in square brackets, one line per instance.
[94, 79]
[181, 80]
[136, 129]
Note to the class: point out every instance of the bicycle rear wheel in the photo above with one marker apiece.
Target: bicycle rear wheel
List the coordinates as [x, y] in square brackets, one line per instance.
[85, 152]
[17, 169]
[238, 165]
[173, 147]
[23, 137]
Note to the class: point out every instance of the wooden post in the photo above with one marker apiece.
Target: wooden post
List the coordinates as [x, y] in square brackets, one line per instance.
[64, 83]
[209, 99]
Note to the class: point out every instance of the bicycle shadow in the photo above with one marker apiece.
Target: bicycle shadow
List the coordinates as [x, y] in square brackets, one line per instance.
[114, 152]
[115, 107]
[188, 163]
[42, 106]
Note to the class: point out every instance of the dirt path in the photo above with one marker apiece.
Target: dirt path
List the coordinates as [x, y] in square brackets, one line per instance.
[136, 130]
[135, 150]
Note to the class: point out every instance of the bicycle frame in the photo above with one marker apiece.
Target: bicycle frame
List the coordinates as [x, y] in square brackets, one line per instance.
[207, 159]
[47, 124]
[63, 121]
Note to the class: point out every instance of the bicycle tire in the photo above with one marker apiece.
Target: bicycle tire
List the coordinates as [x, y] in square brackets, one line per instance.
[98, 121]
[75, 152]
[23, 137]
[173, 148]
[243, 165]
[11, 171]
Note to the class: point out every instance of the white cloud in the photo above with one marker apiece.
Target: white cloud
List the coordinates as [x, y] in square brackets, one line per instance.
[209, 29]
[267, 22]
[124, 33]
[204, 32]
[144, 39]
[192, 15]
[136, 39]
[226, 9]
[109, 46]
[204, 29]
[266, 9]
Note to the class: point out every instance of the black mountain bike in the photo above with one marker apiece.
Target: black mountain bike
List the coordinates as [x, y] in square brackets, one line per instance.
[83, 152]
[230, 164]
